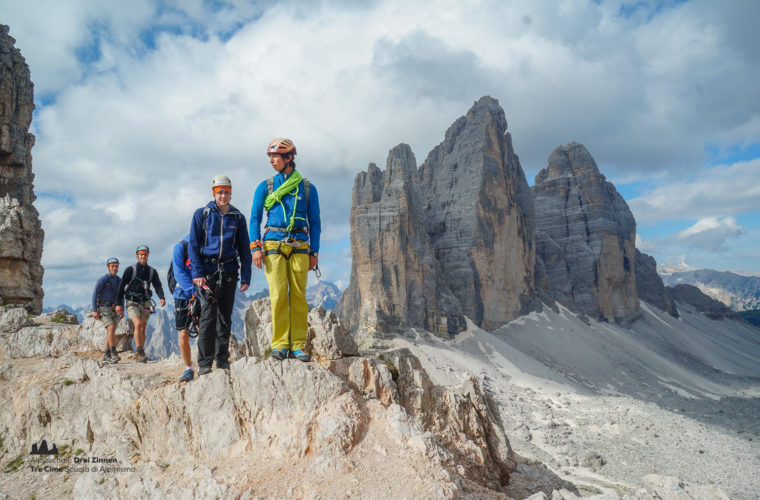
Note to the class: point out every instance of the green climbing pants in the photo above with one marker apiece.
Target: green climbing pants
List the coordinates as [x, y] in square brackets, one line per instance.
[286, 274]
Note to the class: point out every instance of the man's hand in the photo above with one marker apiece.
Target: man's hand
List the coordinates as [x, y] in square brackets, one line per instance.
[313, 261]
[243, 287]
[258, 258]
[96, 315]
[120, 311]
[199, 281]
[163, 302]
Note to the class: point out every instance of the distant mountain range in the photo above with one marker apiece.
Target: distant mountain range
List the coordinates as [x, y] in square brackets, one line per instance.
[324, 294]
[741, 292]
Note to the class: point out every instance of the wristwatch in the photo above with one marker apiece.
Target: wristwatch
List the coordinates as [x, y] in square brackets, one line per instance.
[314, 254]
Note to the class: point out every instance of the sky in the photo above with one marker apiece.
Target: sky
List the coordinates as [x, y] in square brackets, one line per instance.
[139, 104]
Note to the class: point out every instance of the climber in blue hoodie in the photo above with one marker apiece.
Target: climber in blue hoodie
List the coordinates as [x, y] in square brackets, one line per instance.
[218, 249]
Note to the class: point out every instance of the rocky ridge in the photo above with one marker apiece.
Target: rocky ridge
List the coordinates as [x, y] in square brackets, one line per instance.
[262, 428]
[452, 238]
[736, 291]
[21, 233]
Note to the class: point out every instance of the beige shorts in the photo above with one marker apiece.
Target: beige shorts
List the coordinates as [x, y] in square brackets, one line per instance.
[139, 309]
[108, 316]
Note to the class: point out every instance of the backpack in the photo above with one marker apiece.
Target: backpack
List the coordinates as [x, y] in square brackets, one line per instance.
[306, 188]
[170, 279]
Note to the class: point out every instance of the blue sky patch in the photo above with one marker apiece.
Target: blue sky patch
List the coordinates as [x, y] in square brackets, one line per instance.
[733, 154]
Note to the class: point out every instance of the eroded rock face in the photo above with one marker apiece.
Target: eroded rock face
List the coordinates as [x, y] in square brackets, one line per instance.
[585, 236]
[21, 234]
[649, 284]
[395, 279]
[452, 238]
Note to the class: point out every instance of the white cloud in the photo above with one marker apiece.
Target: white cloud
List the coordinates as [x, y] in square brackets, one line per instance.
[710, 234]
[645, 246]
[714, 192]
[182, 92]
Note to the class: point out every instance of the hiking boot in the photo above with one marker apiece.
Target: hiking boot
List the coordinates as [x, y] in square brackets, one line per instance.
[299, 355]
[223, 365]
[204, 370]
[107, 358]
[140, 356]
[115, 357]
[279, 354]
[188, 375]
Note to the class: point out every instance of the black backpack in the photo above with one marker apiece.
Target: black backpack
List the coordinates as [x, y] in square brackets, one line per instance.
[170, 279]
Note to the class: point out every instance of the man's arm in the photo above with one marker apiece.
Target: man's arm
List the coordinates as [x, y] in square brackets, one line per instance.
[181, 272]
[96, 297]
[243, 250]
[254, 229]
[158, 287]
[125, 278]
[195, 244]
[315, 226]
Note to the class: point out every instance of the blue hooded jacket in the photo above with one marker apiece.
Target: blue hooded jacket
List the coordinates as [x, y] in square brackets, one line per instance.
[225, 239]
[181, 268]
[305, 215]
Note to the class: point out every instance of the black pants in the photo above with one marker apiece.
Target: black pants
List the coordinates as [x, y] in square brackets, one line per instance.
[215, 322]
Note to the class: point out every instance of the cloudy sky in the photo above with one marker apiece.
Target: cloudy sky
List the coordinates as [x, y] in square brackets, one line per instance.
[141, 103]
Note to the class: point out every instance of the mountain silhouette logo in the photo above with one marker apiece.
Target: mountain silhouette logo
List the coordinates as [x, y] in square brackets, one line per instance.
[41, 448]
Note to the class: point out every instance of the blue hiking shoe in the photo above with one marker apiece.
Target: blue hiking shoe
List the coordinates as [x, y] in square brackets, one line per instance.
[299, 355]
[279, 354]
[187, 376]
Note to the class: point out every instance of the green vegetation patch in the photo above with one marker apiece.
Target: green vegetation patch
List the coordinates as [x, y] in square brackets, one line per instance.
[14, 464]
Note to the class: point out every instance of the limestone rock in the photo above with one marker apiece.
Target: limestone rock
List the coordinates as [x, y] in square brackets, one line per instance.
[649, 284]
[60, 315]
[12, 319]
[93, 333]
[21, 234]
[327, 337]
[465, 418]
[395, 279]
[585, 236]
[217, 433]
[672, 488]
[452, 238]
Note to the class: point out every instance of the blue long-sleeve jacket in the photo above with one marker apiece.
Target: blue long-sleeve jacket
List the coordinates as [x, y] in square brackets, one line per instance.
[309, 215]
[181, 268]
[225, 239]
[106, 290]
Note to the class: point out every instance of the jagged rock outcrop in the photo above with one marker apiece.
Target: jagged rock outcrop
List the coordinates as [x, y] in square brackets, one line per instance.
[54, 334]
[395, 279]
[585, 236]
[452, 238]
[244, 431]
[649, 284]
[21, 234]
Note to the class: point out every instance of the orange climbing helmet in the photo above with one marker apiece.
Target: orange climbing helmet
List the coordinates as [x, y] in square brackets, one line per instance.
[281, 145]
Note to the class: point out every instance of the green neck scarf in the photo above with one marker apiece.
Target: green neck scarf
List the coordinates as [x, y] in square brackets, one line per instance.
[290, 186]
